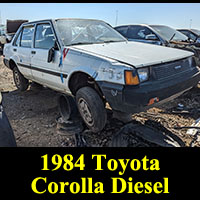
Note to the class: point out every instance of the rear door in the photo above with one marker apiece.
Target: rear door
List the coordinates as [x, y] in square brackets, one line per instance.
[43, 72]
[22, 50]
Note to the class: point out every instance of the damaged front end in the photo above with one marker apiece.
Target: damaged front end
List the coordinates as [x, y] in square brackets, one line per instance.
[188, 47]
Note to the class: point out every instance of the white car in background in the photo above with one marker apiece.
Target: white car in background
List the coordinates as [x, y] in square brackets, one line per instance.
[91, 61]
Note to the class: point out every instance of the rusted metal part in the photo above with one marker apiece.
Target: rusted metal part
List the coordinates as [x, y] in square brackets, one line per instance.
[150, 135]
[69, 128]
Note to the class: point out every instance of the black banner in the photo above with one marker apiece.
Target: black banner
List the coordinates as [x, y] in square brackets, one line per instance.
[97, 173]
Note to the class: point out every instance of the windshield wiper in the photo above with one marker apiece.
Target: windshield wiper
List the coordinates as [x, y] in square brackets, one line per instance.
[81, 43]
[110, 41]
[172, 37]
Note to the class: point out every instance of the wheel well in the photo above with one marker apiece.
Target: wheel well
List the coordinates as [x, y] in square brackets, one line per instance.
[79, 80]
[12, 64]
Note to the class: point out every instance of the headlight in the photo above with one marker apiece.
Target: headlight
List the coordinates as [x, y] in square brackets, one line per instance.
[143, 74]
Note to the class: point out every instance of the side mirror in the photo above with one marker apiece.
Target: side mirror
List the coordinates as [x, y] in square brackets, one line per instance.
[151, 37]
[198, 40]
[51, 55]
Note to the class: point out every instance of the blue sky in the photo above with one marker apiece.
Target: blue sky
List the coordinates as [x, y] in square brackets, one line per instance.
[177, 15]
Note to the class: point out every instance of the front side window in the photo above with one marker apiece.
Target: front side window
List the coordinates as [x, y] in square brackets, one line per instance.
[185, 32]
[192, 36]
[44, 37]
[139, 32]
[27, 36]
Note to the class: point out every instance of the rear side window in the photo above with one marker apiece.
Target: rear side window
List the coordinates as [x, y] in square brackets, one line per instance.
[44, 37]
[27, 36]
[17, 40]
[123, 30]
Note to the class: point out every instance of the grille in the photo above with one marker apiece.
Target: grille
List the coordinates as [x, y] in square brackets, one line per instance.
[170, 69]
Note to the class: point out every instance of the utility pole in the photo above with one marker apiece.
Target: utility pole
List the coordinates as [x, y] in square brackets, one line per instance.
[0, 18]
[116, 18]
[190, 23]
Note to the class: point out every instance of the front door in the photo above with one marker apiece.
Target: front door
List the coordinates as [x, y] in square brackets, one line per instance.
[46, 73]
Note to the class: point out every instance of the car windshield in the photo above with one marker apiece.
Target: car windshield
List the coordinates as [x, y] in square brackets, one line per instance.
[170, 33]
[79, 31]
[196, 31]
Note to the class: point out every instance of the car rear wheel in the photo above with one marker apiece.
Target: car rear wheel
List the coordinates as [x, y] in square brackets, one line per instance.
[91, 108]
[20, 81]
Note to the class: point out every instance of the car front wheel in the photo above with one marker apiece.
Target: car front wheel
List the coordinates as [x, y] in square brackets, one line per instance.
[91, 108]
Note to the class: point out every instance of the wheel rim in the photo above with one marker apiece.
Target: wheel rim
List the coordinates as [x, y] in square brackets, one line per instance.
[17, 79]
[85, 112]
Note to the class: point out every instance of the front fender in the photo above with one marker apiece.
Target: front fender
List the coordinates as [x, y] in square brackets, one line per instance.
[84, 69]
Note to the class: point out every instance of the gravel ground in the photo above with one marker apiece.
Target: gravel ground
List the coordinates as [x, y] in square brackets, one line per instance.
[33, 115]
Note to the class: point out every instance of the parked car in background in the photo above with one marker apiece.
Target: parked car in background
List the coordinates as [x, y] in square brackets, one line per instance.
[159, 35]
[7, 32]
[92, 62]
[2, 37]
[7, 138]
[193, 34]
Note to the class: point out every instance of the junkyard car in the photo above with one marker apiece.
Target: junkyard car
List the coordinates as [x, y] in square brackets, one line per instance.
[2, 37]
[159, 35]
[193, 34]
[7, 138]
[88, 59]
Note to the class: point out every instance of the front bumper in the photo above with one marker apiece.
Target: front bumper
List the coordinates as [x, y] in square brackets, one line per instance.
[132, 99]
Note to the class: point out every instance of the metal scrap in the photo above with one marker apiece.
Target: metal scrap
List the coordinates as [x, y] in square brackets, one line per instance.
[148, 134]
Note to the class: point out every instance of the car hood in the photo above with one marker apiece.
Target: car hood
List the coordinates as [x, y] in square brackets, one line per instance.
[135, 53]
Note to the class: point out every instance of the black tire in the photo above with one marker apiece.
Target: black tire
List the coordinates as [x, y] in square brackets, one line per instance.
[91, 108]
[67, 107]
[7, 138]
[20, 81]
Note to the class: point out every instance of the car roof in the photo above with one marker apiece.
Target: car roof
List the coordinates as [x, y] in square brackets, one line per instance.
[131, 25]
[147, 25]
[191, 30]
[44, 20]
[183, 29]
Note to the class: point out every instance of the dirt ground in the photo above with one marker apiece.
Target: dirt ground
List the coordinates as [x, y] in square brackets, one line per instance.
[33, 115]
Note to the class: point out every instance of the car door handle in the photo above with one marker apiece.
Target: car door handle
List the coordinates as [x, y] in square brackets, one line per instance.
[33, 52]
[15, 50]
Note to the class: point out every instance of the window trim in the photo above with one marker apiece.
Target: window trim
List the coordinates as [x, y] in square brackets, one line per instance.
[41, 23]
[19, 34]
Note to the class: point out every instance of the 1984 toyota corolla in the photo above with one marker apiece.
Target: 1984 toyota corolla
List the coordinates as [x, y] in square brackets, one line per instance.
[91, 61]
